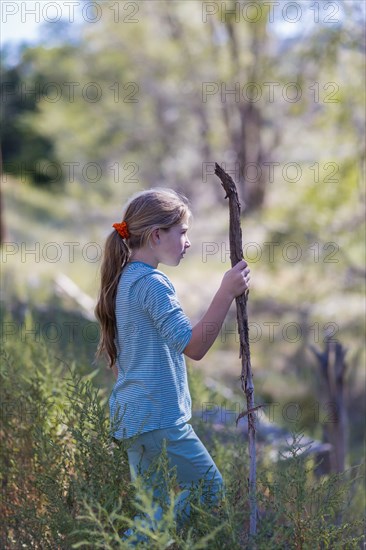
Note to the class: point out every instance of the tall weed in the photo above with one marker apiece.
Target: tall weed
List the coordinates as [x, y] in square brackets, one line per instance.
[66, 483]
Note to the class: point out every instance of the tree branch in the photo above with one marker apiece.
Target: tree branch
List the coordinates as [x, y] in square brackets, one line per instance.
[236, 254]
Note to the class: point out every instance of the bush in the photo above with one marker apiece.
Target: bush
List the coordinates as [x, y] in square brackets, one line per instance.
[57, 452]
[66, 483]
[300, 511]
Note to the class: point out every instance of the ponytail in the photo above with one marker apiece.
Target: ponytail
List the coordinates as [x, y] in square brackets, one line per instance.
[116, 255]
[146, 211]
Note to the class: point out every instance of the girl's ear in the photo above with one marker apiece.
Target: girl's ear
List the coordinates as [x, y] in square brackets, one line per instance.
[155, 236]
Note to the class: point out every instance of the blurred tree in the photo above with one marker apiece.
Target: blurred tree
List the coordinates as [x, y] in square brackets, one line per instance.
[241, 71]
[25, 150]
[155, 97]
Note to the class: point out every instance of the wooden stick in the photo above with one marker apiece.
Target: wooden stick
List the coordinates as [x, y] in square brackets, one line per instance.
[236, 254]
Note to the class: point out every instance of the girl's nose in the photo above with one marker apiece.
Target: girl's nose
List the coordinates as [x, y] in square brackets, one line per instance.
[188, 243]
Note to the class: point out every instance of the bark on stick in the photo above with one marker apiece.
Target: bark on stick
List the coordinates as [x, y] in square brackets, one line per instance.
[236, 254]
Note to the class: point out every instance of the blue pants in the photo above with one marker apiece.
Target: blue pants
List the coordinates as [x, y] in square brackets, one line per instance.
[186, 452]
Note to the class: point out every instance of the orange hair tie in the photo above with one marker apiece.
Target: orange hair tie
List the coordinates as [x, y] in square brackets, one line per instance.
[122, 229]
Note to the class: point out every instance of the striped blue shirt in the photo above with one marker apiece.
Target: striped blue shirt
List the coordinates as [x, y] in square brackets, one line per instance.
[151, 391]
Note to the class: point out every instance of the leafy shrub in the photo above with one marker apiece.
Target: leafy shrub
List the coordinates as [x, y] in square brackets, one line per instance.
[66, 483]
[301, 511]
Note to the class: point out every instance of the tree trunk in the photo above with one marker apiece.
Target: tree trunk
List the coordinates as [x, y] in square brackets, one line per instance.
[332, 368]
[2, 223]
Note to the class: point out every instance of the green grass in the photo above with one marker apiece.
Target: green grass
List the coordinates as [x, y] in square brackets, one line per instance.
[67, 485]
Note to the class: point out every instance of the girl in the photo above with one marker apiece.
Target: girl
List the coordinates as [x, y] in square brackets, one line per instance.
[146, 335]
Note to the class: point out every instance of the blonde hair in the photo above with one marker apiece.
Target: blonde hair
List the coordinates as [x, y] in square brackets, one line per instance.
[145, 212]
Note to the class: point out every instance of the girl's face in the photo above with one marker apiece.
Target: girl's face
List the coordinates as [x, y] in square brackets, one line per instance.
[172, 244]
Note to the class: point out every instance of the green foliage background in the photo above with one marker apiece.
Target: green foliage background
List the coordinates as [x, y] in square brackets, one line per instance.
[156, 124]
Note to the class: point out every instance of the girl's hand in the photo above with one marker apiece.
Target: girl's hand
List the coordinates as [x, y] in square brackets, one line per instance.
[237, 280]
[234, 283]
